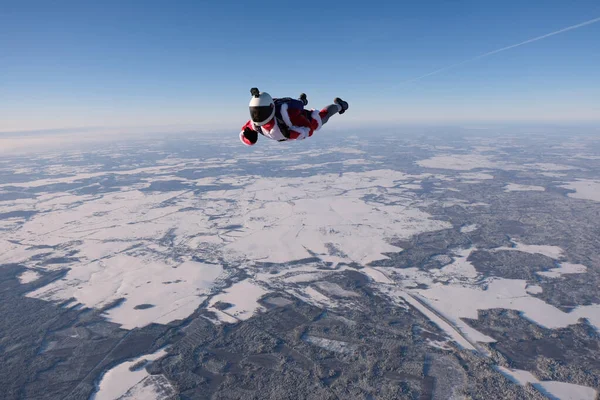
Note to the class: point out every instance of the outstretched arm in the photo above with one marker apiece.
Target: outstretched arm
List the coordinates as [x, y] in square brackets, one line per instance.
[248, 135]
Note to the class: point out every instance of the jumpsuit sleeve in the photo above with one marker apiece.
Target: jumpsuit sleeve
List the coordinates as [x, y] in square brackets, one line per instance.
[248, 135]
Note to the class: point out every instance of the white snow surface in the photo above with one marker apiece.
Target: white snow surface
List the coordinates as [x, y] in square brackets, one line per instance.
[475, 176]
[314, 297]
[563, 269]
[549, 167]
[117, 235]
[125, 240]
[459, 268]
[173, 291]
[335, 289]
[457, 302]
[80, 176]
[243, 296]
[309, 213]
[153, 387]
[515, 187]
[559, 390]
[567, 391]
[552, 174]
[459, 162]
[456, 291]
[118, 380]
[468, 228]
[553, 252]
[584, 189]
[442, 345]
[29, 276]
[534, 289]
[404, 296]
[467, 162]
[518, 376]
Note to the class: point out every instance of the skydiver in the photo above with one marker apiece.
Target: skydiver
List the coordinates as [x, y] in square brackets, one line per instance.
[284, 119]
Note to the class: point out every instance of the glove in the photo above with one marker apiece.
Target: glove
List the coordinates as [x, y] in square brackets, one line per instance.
[251, 135]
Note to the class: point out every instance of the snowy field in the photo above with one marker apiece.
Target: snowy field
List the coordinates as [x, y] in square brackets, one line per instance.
[168, 239]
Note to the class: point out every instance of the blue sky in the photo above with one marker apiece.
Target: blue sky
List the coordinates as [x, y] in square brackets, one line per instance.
[66, 64]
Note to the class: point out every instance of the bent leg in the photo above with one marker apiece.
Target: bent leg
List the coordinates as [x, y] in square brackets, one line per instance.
[329, 112]
[321, 117]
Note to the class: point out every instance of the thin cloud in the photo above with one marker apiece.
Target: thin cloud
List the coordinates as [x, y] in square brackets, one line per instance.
[569, 28]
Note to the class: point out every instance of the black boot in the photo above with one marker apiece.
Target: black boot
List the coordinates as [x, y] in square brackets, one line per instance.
[342, 104]
[303, 98]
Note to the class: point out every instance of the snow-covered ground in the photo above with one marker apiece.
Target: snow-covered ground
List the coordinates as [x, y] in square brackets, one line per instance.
[457, 302]
[476, 176]
[153, 291]
[457, 291]
[459, 162]
[471, 161]
[157, 256]
[558, 390]
[515, 187]
[584, 189]
[468, 228]
[243, 296]
[547, 167]
[553, 252]
[122, 257]
[118, 381]
[29, 276]
[306, 213]
[563, 269]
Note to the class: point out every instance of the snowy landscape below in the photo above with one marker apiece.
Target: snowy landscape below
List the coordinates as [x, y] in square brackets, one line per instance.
[426, 264]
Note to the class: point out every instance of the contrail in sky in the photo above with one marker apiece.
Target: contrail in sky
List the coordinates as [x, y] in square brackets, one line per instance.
[569, 28]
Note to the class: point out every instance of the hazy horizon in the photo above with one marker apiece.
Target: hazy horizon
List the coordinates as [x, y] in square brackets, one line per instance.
[74, 65]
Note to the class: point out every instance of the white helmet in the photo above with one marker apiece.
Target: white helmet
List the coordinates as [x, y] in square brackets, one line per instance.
[262, 107]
